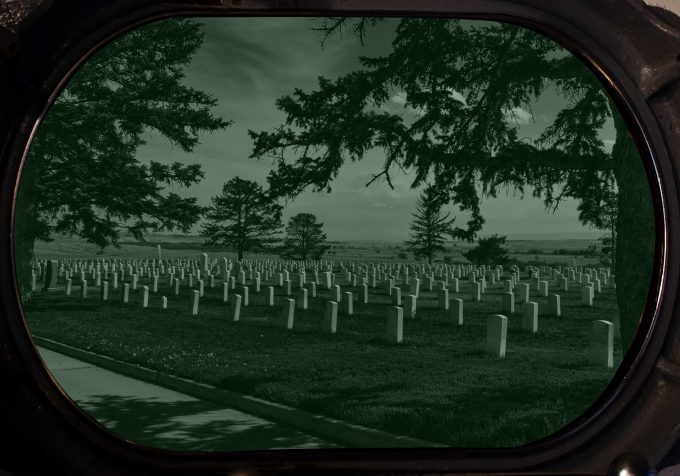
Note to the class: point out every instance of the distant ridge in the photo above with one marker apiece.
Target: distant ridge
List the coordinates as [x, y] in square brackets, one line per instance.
[577, 235]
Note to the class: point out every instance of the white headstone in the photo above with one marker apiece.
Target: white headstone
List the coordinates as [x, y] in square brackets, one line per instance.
[602, 344]
[335, 293]
[330, 318]
[456, 311]
[225, 292]
[414, 286]
[363, 294]
[347, 303]
[587, 296]
[287, 313]
[235, 307]
[193, 303]
[144, 297]
[270, 296]
[396, 296]
[83, 288]
[301, 300]
[395, 324]
[523, 292]
[496, 335]
[530, 317]
[476, 292]
[455, 285]
[554, 305]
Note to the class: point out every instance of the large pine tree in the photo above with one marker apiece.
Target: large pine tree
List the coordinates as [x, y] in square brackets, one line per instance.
[82, 176]
[430, 227]
[304, 237]
[465, 84]
[243, 218]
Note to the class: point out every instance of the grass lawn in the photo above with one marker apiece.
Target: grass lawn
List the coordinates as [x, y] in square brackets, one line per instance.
[436, 385]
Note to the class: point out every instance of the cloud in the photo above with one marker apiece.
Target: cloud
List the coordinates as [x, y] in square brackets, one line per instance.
[399, 98]
[608, 145]
[518, 115]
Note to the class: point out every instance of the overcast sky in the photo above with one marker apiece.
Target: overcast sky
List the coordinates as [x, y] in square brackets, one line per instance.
[247, 63]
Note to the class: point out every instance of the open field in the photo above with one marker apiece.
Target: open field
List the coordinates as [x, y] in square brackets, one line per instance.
[437, 385]
[551, 252]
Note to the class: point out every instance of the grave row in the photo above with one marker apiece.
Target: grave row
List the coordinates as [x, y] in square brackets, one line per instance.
[189, 270]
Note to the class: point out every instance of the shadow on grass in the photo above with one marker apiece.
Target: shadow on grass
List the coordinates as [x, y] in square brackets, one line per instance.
[41, 302]
[191, 425]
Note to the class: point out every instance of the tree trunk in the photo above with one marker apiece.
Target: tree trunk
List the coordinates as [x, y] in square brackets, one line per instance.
[26, 230]
[635, 232]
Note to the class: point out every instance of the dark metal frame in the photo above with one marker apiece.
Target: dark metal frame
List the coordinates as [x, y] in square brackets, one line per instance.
[632, 48]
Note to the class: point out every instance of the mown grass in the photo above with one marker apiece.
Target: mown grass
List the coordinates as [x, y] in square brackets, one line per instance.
[437, 385]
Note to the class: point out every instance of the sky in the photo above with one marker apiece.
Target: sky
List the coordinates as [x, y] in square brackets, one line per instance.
[248, 63]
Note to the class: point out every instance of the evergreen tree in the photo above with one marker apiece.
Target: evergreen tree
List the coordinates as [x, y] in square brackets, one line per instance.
[82, 176]
[463, 86]
[603, 214]
[489, 251]
[243, 217]
[429, 226]
[304, 238]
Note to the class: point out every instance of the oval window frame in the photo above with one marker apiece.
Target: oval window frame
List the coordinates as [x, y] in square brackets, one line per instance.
[553, 451]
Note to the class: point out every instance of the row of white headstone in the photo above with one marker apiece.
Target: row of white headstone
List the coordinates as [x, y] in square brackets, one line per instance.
[601, 351]
[601, 345]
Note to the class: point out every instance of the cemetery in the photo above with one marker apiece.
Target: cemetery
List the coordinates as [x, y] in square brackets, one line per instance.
[423, 322]
[452, 353]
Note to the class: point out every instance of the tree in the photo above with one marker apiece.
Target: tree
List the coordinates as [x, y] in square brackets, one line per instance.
[489, 251]
[603, 214]
[82, 176]
[429, 226]
[304, 238]
[463, 86]
[243, 217]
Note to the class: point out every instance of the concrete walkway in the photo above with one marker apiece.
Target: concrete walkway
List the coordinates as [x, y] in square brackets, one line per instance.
[155, 416]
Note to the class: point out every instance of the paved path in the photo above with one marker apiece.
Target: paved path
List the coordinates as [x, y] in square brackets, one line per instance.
[155, 416]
